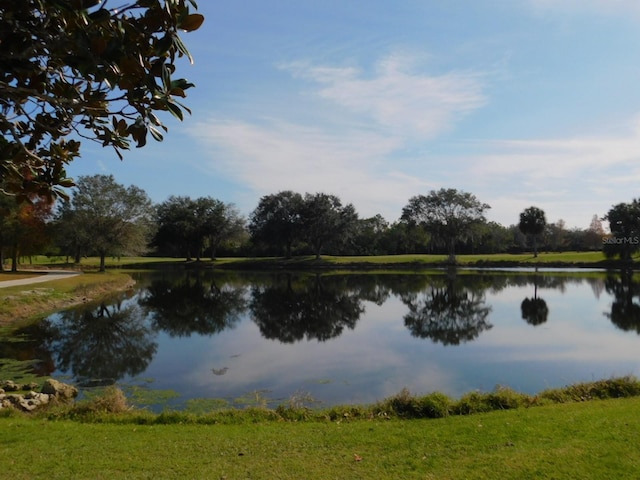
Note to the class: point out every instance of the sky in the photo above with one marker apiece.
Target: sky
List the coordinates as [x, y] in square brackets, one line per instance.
[519, 102]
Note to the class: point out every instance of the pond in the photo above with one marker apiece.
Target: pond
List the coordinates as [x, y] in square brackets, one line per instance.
[189, 338]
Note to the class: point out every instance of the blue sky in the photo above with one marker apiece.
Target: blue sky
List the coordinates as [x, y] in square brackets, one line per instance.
[520, 102]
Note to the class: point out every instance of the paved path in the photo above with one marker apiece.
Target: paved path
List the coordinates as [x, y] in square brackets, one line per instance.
[44, 276]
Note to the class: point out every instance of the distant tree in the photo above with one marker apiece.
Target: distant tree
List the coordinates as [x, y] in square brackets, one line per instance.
[116, 219]
[177, 227]
[23, 227]
[69, 235]
[217, 222]
[78, 68]
[492, 237]
[404, 237]
[556, 235]
[448, 215]
[594, 234]
[532, 223]
[369, 235]
[325, 221]
[277, 220]
[624, 223]
[187, 227]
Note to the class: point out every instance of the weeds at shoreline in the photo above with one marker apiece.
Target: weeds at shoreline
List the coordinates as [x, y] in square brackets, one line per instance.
[112, 407]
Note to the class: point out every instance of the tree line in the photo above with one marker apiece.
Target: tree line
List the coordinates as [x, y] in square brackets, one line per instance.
[104, 218]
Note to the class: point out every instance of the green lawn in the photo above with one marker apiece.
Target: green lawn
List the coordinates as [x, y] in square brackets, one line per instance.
[591, 440]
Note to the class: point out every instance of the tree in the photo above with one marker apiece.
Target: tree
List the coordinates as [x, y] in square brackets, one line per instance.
[277, 220]
[594, 235]
[448, 215]
[177, 227]
[75, 69]
[69, 234]
[117, 219]
[532, 223]
[217, 222]
[556, 235]
[624, 223]
[187, 226]
[370, 235]
[23, 227]
[325, 221]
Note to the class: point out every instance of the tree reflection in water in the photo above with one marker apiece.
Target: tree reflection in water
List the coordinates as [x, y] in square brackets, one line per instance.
[194, 303]
[102, 344]
[534, 310]
[318, 308]
[625, 309]
[446, 312]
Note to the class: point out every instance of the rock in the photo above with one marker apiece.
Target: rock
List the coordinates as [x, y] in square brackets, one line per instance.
[59, 390]
[9, 386]
[32, 400]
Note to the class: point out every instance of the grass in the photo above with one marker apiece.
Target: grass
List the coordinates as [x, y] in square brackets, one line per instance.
[590, 440]
[28, 301]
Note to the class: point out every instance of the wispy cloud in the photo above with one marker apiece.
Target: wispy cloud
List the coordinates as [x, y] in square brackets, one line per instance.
[279, 156]
[397, 96]
[388, 111]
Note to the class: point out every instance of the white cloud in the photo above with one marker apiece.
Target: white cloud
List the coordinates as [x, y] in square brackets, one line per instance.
[395, 97]
[349, 151]
[283, 156]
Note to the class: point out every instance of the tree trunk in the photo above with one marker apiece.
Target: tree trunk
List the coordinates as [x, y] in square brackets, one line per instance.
[452, 251]
[102, 262]
[14, 257]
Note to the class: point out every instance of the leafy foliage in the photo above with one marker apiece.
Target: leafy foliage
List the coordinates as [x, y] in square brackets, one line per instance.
[532, 223]
[276, 220]
[186, 226]
[624, 223]
[448, 215]
[77, 69]
[111, 218]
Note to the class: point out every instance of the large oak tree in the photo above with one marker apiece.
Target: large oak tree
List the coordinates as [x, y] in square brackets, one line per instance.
[117, 220]
[448, 215]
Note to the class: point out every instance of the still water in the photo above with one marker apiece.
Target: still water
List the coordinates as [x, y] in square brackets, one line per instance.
[270, 338]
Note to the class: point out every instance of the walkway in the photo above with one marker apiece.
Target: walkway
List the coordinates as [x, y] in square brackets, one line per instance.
[45, 276]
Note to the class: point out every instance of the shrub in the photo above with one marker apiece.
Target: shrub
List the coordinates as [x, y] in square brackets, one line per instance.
[406, 405]
[620, 387]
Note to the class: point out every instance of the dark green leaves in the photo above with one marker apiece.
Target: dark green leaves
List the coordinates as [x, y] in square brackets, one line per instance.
[106, 71]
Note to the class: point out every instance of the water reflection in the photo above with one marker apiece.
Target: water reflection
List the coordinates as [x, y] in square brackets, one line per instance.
[197, 302]
[625, 308]
[203, 332]
[315, 308]
[102, 344]
[534, 310]
[446, 311]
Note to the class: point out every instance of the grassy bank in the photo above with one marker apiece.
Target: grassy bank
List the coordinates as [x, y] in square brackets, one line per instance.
[560, 259]
[28, 301]
[557, 260]
[589, 440]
